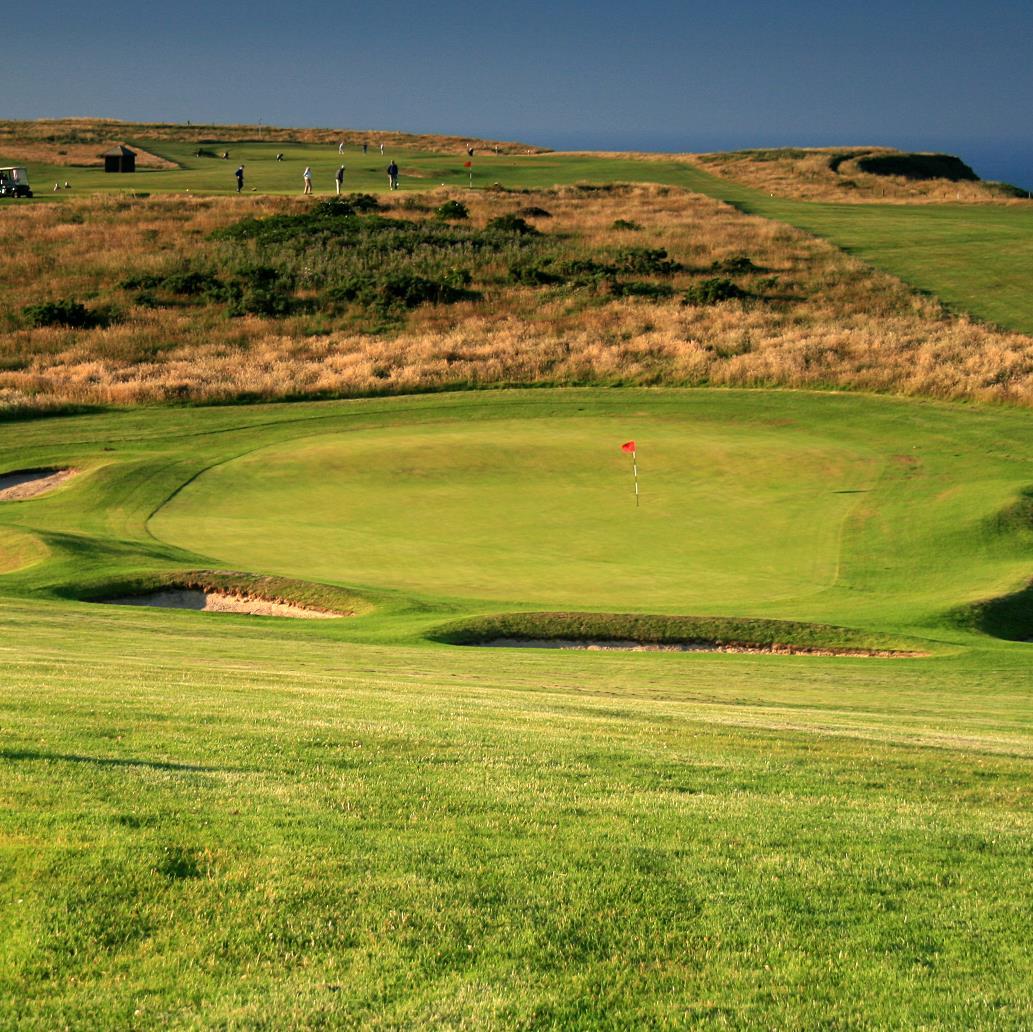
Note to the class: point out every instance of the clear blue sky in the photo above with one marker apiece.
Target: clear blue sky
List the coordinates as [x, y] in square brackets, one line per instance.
[658, 73]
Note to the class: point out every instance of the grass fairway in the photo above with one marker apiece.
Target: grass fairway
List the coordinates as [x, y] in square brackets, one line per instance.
[976, 258]
[212, 820]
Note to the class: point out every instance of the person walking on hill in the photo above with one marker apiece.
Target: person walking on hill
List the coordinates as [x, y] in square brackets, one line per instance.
[307, 176]
[381, 148]
[392, 175]
[365, 147]
[240, 178]
[339, 178]
[340, 147]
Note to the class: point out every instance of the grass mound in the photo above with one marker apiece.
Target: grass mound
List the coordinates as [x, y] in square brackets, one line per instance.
[712, 631]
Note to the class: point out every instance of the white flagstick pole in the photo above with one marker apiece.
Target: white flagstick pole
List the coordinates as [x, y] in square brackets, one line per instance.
[634, 466]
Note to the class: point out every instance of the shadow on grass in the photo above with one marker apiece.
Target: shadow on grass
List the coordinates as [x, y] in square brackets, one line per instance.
[1009, 617]
[16, 755]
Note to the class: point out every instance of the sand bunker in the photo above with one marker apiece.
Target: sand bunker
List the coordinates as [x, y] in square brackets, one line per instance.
[20, 484]
[203, 600]
[701, 646]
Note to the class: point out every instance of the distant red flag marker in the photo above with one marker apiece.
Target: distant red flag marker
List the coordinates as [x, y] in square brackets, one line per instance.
[467, 164]
[629, 446]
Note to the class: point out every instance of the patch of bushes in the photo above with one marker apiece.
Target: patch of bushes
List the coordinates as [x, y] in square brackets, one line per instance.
[739, 265]
[260, 290]
[549, 271]
[452, 211]
[645, 261]
[640, 288]
[534, 212]
[918, 166]
[183, 282]
[713, 291]
[348, 204]
[535, 272]
[70, 313]
[625, 225]
[398, 291]
[511, 224]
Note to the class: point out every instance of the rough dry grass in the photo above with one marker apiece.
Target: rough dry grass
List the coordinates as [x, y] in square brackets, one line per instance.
[832, 174]
[817, 317]
[78, 155]
[17, 136]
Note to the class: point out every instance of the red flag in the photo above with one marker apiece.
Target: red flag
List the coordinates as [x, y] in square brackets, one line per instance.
[467, 164]
[630, 446]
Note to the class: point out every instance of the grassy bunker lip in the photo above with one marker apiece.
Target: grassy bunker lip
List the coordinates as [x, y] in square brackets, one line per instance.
[18, 485]
[220, 591]
[633, 632]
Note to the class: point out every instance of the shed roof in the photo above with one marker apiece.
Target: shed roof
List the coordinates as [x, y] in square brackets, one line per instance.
[119, 152]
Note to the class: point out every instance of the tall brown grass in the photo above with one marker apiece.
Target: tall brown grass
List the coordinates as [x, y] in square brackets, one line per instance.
[806, 174]
[17, 137]
[817, 318]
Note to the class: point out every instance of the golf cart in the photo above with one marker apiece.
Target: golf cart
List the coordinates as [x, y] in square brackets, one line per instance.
[14, 182]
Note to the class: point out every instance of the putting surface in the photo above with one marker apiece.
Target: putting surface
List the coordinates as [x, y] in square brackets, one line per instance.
[539, 510]
[854, 512]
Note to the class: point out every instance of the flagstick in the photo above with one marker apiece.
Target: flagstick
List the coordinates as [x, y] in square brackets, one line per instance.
[634, 466]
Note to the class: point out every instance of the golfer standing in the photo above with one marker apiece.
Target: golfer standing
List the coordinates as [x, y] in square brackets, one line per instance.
[307, 176]
[392, 175]
[240, 178]
[339, 178]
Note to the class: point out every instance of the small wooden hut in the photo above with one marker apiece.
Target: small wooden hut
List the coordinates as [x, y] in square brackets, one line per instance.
[119, 159]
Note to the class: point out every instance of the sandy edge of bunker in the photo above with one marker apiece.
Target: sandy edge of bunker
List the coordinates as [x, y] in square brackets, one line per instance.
[21, 484]
[202, 600]
[620, 645]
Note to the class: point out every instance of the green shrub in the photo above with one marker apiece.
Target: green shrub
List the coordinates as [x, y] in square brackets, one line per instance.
[69, 313]
[918, 166]
[625, 224]
[640, 288]
[452, 210]
[584, 270]
[190, 283]
[398, 291]
[712, 292]
[644, 261]
[532, 211]
[511, 224]
[348, 204]
[737, 265]
[260, 290]
[535, 272]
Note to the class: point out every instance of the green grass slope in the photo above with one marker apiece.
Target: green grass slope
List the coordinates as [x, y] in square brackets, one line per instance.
[218, 820]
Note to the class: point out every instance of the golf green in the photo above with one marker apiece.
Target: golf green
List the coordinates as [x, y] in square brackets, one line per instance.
[493, 511]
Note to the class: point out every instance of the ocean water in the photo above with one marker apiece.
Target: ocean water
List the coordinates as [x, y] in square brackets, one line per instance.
[1003, 160]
